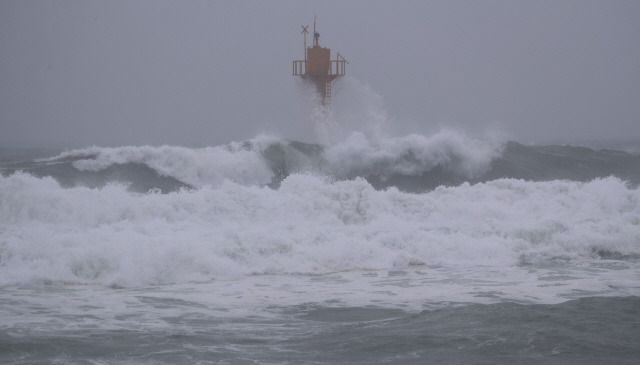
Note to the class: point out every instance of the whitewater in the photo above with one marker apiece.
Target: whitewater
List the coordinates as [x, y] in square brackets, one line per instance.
[409, 249]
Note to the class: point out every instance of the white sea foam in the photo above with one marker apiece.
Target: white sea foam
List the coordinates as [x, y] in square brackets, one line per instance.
[411, 155]
[309, 226]
[246, 163]
[238, 162]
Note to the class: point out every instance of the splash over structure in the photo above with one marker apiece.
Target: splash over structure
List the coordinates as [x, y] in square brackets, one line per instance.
[318, 67]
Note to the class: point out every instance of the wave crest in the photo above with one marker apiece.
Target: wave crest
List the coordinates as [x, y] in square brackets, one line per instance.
[268, 160]
[411, 155]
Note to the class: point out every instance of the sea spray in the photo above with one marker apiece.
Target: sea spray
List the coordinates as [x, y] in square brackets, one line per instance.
[412, 155]
[359, 110]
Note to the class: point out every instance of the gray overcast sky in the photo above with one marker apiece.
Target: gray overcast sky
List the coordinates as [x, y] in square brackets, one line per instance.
[196, 73]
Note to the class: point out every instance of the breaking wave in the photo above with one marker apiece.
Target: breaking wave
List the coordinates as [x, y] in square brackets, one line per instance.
[142, 215]
[267, 160]
[310, 225]
[412, 163]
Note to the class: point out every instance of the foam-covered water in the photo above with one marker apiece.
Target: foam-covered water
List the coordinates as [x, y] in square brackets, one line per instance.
[274, 251]
[309, 225]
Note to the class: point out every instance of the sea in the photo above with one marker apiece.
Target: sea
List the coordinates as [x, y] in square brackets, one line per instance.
[415, 249]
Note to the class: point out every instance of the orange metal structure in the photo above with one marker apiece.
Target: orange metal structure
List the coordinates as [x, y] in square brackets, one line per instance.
[318, 67]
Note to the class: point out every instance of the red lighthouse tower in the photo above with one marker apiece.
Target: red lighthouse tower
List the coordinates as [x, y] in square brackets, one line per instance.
[318, 67]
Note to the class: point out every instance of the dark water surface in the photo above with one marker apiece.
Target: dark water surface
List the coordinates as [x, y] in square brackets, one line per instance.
[592, 330]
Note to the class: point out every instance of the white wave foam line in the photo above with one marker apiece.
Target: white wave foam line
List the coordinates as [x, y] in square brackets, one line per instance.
[309, 226]
[358, 155]
[412, 155]
[238, 162]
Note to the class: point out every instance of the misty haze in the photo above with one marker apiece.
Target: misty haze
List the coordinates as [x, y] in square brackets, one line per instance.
[199, 74]
[399, 182]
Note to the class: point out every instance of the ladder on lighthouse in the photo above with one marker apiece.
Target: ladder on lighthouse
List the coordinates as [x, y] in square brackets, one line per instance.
[327, 93]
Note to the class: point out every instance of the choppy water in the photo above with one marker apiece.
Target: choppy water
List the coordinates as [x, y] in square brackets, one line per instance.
[440, 249]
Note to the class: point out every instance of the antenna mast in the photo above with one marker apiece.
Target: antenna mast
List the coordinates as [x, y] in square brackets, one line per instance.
[316, 35]
[305, 31]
